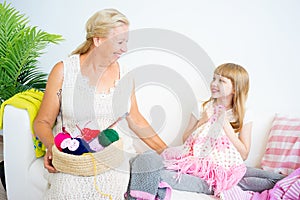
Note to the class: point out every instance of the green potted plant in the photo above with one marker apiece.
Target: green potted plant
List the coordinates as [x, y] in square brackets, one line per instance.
[20, 47]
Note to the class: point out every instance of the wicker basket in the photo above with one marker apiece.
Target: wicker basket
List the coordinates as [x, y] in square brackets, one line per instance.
[89, 164]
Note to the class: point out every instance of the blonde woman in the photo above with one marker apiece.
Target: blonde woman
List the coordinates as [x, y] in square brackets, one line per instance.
[82, 86]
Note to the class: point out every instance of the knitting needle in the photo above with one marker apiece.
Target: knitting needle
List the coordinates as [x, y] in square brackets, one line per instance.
[119, 119]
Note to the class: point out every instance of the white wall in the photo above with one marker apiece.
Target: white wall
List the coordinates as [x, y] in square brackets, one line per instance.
[262, 36]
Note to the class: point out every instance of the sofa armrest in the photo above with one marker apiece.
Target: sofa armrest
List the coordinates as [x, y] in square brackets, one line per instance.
[18, 151]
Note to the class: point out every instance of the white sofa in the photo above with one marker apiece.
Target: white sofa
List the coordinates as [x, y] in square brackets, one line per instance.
[24, 173]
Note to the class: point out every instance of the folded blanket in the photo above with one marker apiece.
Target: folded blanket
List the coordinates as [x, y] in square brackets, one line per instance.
[145, 181]
[29, 100]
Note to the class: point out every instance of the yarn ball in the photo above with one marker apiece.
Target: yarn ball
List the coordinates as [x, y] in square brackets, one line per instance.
[89, 134]
[75, 146]
[107, 137]
[95, 145]
[59, 138]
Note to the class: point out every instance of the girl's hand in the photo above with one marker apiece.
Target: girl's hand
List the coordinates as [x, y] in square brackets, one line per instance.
[218, 111]
[48, 161]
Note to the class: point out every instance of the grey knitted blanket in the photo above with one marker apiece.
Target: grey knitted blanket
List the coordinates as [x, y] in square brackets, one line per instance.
[145, 179]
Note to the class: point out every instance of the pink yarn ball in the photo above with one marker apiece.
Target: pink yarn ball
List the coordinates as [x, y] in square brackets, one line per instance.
[59, 138]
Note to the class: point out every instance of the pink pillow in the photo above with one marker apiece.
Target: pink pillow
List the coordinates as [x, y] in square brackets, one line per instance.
[282, 153]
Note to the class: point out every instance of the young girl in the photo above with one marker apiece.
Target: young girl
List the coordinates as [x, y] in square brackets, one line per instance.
[217, 142]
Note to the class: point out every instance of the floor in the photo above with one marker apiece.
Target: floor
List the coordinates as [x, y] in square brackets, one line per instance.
[2, 191]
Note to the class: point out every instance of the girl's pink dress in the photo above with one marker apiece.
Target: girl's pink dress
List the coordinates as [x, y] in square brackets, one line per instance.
[208, 154]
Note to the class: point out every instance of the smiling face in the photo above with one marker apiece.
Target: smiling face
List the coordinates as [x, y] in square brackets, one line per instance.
[221, 88]
[114, 45]
[119, 38]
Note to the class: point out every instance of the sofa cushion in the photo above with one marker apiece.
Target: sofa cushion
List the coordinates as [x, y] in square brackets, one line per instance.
[282, 153]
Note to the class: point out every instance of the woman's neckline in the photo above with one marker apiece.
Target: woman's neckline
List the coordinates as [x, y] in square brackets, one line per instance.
[86, 79]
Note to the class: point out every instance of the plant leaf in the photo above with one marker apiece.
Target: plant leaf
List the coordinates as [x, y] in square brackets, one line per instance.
[21, 46]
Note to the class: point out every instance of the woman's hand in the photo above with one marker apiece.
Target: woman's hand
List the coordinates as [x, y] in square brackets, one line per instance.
[48, 161]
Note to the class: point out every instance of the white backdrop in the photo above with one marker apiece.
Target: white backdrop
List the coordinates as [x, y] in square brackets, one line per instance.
[262, 36]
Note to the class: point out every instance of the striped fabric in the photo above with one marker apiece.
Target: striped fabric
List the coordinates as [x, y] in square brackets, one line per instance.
[288, 188]
[236, 193]
[282, 153]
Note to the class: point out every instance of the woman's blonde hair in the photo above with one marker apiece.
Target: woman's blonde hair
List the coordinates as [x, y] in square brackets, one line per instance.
[99, 25]
[240, 82]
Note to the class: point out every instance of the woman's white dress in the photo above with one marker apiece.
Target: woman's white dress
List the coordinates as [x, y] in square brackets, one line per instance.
[83, 107]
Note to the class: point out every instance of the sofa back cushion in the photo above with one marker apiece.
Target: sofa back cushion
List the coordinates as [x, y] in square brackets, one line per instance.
[282, 154]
